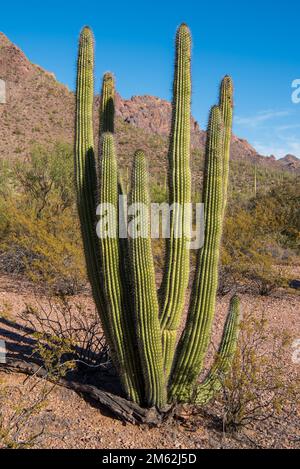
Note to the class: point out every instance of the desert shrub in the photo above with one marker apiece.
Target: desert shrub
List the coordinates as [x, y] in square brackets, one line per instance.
[260, 392]
[29, 247]
[277, 214]
[265, 277]
[39, 232]
[20, 407]
[46, 180]
[22, 421]
[68, 335]
[5, 179]
[260, 235]
[228, 280]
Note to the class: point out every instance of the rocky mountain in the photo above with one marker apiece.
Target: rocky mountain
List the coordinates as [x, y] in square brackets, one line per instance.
[39, 109]
[290, 162]
[154, 115]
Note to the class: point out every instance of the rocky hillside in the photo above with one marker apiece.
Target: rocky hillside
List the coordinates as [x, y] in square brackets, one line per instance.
[154, 115]
[39, 109]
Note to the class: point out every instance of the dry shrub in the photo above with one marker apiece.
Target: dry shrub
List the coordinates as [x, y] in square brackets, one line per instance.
[67, 336]
[248, 261]
[20, 408]
[260, 394]
[39, 229]
[29, 247]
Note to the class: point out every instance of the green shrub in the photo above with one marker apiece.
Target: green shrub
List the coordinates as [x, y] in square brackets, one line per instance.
[39, 234]
[257, 391]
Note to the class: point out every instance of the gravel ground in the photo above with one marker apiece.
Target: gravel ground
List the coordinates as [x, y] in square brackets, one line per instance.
[70, 421]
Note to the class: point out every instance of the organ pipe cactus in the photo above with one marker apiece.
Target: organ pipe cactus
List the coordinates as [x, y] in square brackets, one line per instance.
[195, 338]
[226, 108]
[85, 170]
[176, 273]
[107, 105]
[141, 323]
[120, 320]
[145, 297]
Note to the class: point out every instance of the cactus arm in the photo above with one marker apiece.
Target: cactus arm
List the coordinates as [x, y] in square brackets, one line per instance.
[214, 380]
[85, 172]
[176, 272]
[106, 124]
[226, 108]
[107, 105]
[121, 317]
[195, 338]
[145, 296]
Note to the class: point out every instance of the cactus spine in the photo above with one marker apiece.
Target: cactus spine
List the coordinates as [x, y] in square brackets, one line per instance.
[140, 326]
[177, 266]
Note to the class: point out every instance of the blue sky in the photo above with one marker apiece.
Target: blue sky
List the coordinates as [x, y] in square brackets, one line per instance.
[257, 42]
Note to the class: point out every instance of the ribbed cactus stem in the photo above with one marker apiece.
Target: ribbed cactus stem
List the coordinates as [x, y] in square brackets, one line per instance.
[85, 171]
[107, 106]
[176, 273]
[215, 378]
[195, 338]
[121, 316]
[226, 108]
[145, 295]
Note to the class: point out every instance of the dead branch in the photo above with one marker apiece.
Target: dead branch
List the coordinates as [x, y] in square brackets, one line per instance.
[125, 410]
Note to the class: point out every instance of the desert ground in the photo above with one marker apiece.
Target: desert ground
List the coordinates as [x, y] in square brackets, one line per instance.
[69, 420]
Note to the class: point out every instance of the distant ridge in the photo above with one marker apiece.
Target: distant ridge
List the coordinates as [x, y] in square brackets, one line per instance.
[39, 109]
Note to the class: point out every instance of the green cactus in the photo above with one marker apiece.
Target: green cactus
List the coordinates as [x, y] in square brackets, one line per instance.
[176, 273]
[107, 105]
[215, 378]
[87, 201]
[195, 339]
[85, 170]
[226, 108]
[121, 315]
[141, 324]
[146, 301]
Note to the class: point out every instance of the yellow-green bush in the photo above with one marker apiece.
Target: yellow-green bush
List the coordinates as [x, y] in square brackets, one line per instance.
[261, 235]
[39, 233]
